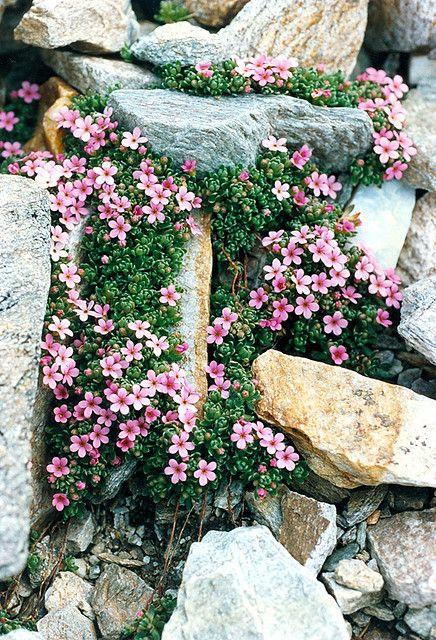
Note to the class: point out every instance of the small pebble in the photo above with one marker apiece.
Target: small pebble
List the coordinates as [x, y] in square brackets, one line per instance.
[374, 517]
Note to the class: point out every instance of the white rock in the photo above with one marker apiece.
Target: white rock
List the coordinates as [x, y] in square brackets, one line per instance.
[355, 574]
[243, 584]
[66, 624]
[349, 600]
[418, 317]
[422, 621]
[23, 634]
[417, 258]
[80, 533]
[386, 213]
[68, 589]
[420, 127]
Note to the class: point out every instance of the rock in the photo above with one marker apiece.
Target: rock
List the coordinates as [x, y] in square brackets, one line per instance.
[311, 30]
[417, 255]
[422, 72]
[115, 479]
[101, 26]
[404, 547]
[425, 387]
[65, 624]
[68, 589]
[343, 553]
[304, 526]
[195, 280]
[362, 503]
[381, 634]
[24, 283]
[55, 94]
[214, 13]
[80, 533]
[400, 25]
[23, 634]
[91, 73]
[409, 498]
[380, 611]
[229, 131]
[316, 487]
[422, 621]
[420, 127]
[119, 595]
[355, 574]
[351, 429]
[408, 377]
[418, 317]
[385, 213]
[11, 13]
[247, 586]
[349, 600]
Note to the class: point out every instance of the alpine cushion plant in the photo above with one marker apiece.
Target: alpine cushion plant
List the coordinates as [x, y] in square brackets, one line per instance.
[373, 91]
[17, 119]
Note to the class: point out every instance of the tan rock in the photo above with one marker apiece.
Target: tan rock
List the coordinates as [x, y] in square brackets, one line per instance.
[351, 429]
[65, 624]
[55, 94]
[68, 589]
[417, 256]
[401, 25]
[214, 13]
[195, 280]
[421, 128]
[355, 574]
[101, 26]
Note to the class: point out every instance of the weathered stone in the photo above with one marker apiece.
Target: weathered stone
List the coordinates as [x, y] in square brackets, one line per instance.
[386, 213]
[422, 621]
[247, 586]
[380, 611]
[229, 131]
[304, 526]
[24, 284]
[115, 480]
[355, 574]
[65, 624]
[23, 634]
[420, 127]
[319, 488]
[349, 600]
[409, 498]
[55, 94]
[214, 13]
[422, 72]
[119, 595]
[68, 589]
[91, 74]
[417, 255]
[418, 317]
[101, 26]
[405, 549]
[312, 30]
[362, 503]
[343, 553]
[351, 429]
[400, 25]
[80, 533]
[10, 15]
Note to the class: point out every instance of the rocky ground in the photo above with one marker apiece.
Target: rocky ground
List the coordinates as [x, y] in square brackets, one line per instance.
[362, 527]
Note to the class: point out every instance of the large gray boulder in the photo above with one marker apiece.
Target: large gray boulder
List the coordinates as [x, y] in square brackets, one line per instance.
[243, 584]
[417, 258]
[24, 284]
[418, 317]
[229, 131]
[401, 25]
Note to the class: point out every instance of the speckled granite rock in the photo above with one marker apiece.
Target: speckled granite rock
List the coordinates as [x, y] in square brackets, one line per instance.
[417, 257]
[230, 130]
[66, 624]
[24, 284]
[422, 168]
[214, 13]
[401, 25]
[418, 317]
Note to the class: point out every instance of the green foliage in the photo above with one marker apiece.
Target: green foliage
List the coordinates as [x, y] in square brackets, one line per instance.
[10, 623]
[172, 11]
[149, 625]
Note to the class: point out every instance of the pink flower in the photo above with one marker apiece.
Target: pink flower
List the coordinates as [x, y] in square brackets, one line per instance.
[330, 187]
[335, 323]
[69, 275]
[129, 430]
[181, 444]
[203, 68]
[90, 404]
[62, 414]
[98, 435]
[291, 253]
[119, 228]
[132, 351]
[8, 120]
[10, 149]
[394, 297]
[299, 198]
[176, 470]
[222, 386]
[51, 375]
[281, 191]
[228, 317]
[189, 167]
[205, 472]
[217, 333]
[396, 171]
[274, 144]
[169, 295]
[306, 306]
[397, 87]
[157, 344]
[29, 92]
[282, 309]
[383, 318]
[134, 139]
[301, 281]
[121, 400]
[386, 149]
[257, 298]
[273, 443]
[339, 354]
[363, 268]
[104, 327]
[242, 434]
[276, 269]
[140, 327]
[214, 369]
[60, 501]
[378, 284]
[61, 327]
[185, 199]
[287, 458]
[316, 182]
[83, 128]
[58, 467]
[80, 445]
[272, 237]
[320, 282]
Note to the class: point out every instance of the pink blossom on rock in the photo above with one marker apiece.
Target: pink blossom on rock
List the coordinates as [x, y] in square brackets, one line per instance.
[339, 354]
[274, 144]
[335, 323]
[287, 458]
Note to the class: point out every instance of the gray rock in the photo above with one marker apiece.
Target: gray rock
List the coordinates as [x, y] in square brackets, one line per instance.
[380, 611]
[361, 534]
[408, 377]
[68, 589]
[80, 533]
[65, 624]
[404, 547]
[115, 480]
[229, 131]
[247, 586]
[386, 213]
[409, 498]
[214, 13]
[119, 594]
[24, 284]
[355, 574]
[349, 600]
[417, 255]
[91, 73]
[341, 554]
[400, 25]
[422, 72]
[23, 634]
[330, 31]
[321, 489]
[304, 526]
[422, 621]
[425, 387]
[418, 317]
[362, 503]
[101, 26]
[420, 127]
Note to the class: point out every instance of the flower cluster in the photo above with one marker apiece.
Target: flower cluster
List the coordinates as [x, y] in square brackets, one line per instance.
[17, 119]
[373, 91]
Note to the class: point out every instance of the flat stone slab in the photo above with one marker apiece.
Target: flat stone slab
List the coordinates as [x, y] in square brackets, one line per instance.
[24, 284]
[418, 317]
[229, 130]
